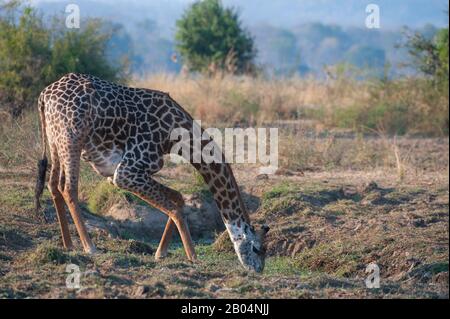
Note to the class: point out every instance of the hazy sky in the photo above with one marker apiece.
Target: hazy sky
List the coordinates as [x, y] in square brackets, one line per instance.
[284, 13]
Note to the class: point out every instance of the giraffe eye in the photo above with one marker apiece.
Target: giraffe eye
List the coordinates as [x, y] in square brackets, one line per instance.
[256, 250]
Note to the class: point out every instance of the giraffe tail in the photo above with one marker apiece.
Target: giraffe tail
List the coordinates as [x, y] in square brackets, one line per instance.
[42, 163]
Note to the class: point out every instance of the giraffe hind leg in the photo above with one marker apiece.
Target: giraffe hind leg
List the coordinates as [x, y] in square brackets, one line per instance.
[58, 200]
[70, 177]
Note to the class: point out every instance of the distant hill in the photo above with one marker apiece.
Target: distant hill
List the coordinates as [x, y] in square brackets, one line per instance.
[292, 36]
[280, 13]
[346, 13]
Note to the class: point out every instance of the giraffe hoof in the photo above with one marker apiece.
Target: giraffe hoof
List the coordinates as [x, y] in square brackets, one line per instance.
[193, 259]
[159, 256]
[68, 247]
[91, 250]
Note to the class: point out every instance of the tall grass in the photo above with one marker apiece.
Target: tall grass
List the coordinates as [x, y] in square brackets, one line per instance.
[20, 141]
[409, 105]
[309, 113]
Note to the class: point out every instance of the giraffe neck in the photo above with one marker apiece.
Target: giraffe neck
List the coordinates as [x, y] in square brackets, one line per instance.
[217, 173]
[220, 180]
[234, 214]
[222, 184]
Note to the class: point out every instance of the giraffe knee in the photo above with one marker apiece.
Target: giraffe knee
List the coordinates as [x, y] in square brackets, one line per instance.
[53, 183]
[177, 199]
[70, 194]
[53, 188]
[61, 182]
[174, 202]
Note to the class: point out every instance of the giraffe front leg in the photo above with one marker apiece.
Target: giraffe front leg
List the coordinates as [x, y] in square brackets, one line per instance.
[161, 197]
[165, 240]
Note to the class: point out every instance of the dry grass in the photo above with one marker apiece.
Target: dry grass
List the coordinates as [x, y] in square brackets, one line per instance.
[324, 231]
[310, 152]
[302, 106]
[400, 106]
[232, 99]
[20, 142]
[328, 219]
[325, 228]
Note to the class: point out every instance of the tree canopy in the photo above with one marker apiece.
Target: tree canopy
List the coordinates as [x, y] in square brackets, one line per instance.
[32, 55]
[211, 38]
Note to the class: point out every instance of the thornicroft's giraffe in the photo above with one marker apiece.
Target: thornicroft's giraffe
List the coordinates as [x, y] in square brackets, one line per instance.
[123, 133]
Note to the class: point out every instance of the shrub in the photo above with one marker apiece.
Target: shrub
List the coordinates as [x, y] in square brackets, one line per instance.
[211, 38]
[47, 253]
[33, 55]
[84, 52]
[24, 55]
[104, 196]
[430, 55]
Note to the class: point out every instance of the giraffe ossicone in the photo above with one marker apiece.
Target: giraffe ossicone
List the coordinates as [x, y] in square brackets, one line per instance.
[124, 132]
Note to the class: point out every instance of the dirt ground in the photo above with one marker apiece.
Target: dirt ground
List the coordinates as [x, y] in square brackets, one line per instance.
[327, 226]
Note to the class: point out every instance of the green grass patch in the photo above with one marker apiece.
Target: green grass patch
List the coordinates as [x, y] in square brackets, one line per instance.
[333, 258]
[48, 253]
[194, 185]
[105, 195]
[19, 197]
[281, 198]
[280, 190]
[285, 266]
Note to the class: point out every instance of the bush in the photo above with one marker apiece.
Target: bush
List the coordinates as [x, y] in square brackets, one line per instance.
[386, 117]
[105, 195]
[47, 253]
[430, 56]
[211, 38]
[33, 55]
[24, 55]
[84, 52]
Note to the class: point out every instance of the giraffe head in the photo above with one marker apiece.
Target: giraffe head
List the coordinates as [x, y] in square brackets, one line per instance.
[250, 248]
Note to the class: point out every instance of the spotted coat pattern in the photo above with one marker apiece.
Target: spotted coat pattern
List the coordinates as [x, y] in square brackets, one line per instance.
[124, 133]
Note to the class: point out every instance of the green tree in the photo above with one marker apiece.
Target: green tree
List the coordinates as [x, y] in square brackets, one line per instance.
[430, 57]
[24, 55]
[442, 48]
[33, 55]
[83, 51]
[210, 38]
[430, 54]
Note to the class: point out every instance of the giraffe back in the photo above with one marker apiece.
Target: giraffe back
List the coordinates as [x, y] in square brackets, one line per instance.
[108, 120]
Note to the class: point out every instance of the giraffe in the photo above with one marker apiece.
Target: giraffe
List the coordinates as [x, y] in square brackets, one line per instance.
[123, 133]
